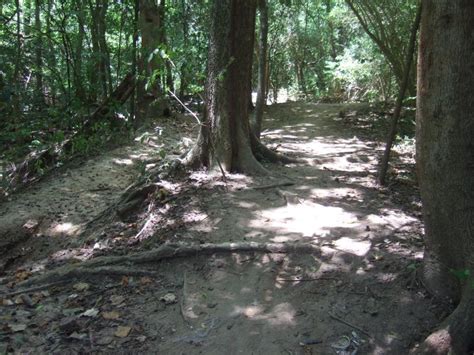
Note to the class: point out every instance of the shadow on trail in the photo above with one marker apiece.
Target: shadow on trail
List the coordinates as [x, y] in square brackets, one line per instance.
[365, 273]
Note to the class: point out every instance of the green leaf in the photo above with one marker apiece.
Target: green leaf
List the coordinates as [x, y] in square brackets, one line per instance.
[461, 274]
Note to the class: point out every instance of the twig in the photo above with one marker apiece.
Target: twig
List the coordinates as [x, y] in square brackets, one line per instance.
[33, 289]
[109, 287]
[185, 107]
[273, 185]
[182, 304]
[350, 325]
[224, 178]
[307, 279]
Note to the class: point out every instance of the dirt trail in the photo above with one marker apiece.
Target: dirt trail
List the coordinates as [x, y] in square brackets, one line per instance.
[369, 241]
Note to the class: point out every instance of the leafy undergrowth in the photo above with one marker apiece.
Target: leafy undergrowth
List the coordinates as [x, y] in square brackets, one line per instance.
[330, 261]
[23, 143]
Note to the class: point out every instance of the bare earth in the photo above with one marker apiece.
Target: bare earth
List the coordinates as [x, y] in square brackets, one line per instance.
[358, 292]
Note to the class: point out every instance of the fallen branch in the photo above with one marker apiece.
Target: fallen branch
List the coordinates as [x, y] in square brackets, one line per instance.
[282, 184]
[306, 279]
[182, 304]
[166, 251]
[32, 289]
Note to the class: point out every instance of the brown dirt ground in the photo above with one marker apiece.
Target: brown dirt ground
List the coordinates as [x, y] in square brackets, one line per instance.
[369, 240]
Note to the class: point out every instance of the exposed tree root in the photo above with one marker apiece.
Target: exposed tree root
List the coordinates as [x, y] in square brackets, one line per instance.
[133, 198]
[261, 152]
[167, 251]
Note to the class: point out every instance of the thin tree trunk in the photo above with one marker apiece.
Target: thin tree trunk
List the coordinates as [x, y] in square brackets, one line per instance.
[39, 56]
[134, 70]
[150, 63]
[97, 76]
[262, 66]
[50, 56]
[78, 80]
[401, 95]
[18, 63]
[183, 85]
[104, 50]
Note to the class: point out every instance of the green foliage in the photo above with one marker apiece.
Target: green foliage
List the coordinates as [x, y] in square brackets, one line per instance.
[463, 274]
[56, 70]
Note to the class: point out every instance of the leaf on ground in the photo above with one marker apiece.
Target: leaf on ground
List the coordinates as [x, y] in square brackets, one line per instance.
[17, 327]
[145, 280]
[22, 275]
[124, 281]
[141, 338]
[104, 340]
[169, 298]
[78, 336]
[31, 224]
[93, 312]
[81, 286]
[122, 331]
[7, 302]
[116, 300]
[113, 315]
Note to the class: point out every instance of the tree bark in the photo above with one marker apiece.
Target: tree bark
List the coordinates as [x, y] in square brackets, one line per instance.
[445, 163]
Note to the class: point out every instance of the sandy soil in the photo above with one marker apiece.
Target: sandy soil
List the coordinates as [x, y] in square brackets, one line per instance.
[358, 292]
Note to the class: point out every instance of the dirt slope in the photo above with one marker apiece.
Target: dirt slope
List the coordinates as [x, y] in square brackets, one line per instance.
[361, 277]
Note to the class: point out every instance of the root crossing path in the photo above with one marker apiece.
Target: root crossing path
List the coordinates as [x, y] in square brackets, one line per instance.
[313, 259]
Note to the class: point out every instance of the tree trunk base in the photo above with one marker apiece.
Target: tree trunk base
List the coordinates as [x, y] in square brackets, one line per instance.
[456, 334]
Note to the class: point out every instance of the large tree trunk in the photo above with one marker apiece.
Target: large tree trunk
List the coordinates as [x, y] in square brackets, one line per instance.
[445, 155]
[225, 131]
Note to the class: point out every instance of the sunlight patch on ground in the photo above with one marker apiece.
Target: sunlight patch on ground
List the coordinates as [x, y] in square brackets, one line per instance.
[81, 254]
[353, 246]
[307, 219]
[123, 161]
[214, 178]
[62, 229]
[393, 218]
[334, 192]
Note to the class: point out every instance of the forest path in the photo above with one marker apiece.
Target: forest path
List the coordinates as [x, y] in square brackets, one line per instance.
[368, 241]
